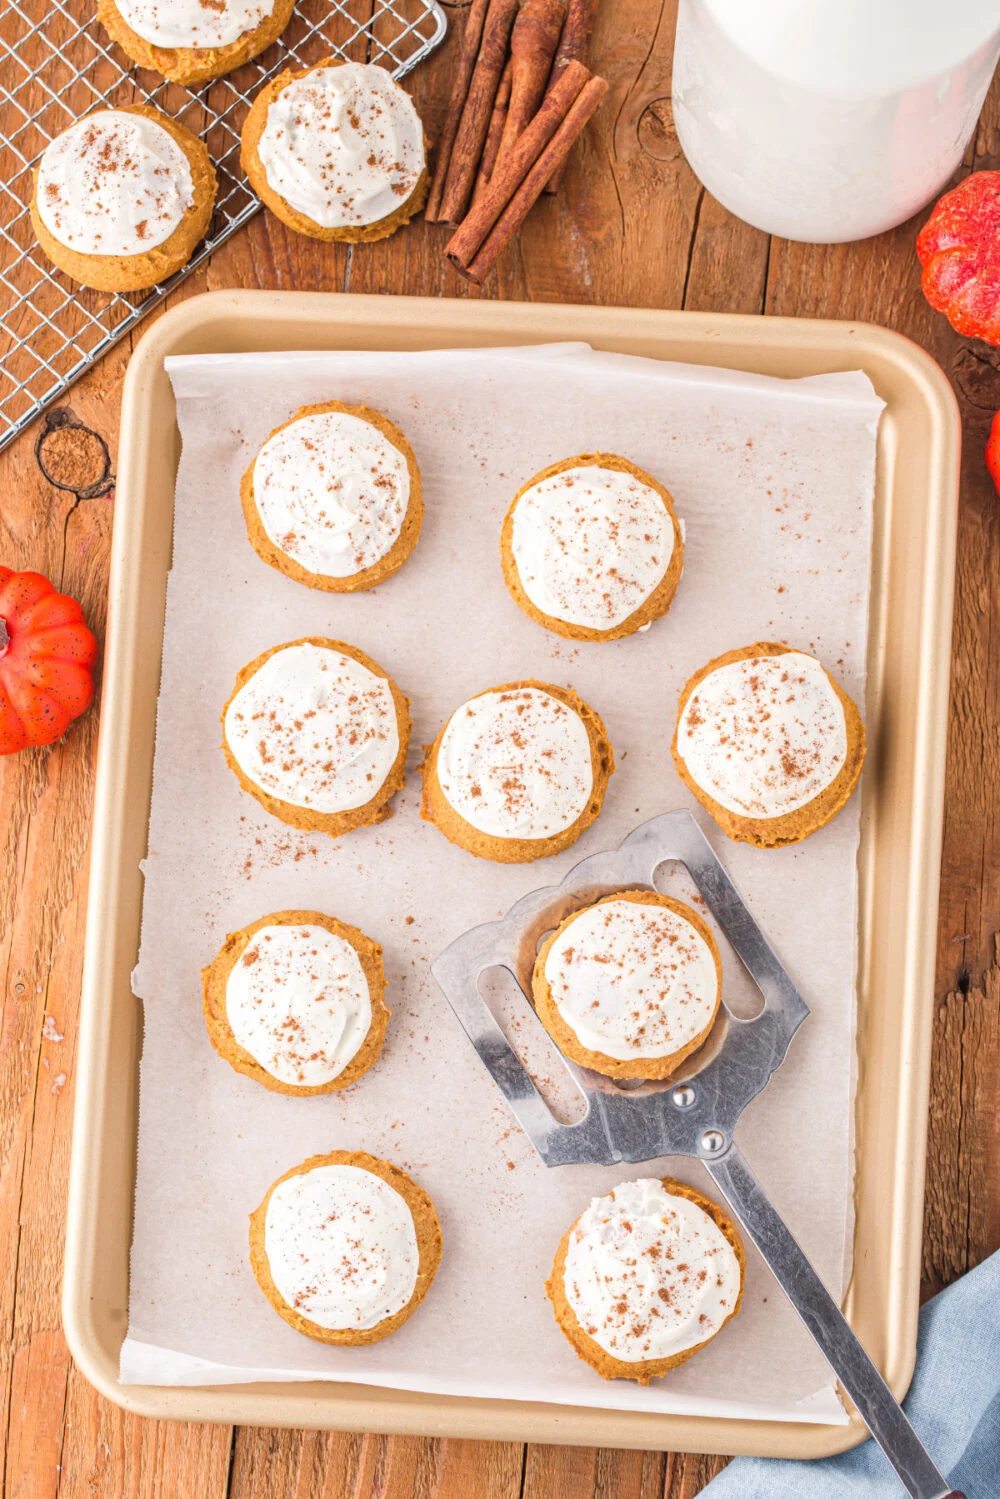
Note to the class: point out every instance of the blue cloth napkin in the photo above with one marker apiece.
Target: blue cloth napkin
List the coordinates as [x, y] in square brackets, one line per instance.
[953, 1401]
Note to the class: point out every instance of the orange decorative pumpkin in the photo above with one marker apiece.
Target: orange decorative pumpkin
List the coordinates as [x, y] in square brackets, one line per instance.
[993, 452]
[959, 249]
[46, 656]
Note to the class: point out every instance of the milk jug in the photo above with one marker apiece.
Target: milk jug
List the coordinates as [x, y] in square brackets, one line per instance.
[830, 120]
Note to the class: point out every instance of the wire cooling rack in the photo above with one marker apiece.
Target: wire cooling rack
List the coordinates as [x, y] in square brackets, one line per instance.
[56, 64]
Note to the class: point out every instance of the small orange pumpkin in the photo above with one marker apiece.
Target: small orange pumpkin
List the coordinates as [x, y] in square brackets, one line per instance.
[46, 660]
[993, 452]
[959, 250]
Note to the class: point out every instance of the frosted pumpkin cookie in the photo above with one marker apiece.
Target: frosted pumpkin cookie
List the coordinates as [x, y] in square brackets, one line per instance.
[318, 733]
[333, 499]
[646, 1277]
[345, 1247]
[336, 152]
[517, 772]
[295, 1001]
[629, 986]
[591, 548]
[769, 743]
[122, 198]
[193, 41]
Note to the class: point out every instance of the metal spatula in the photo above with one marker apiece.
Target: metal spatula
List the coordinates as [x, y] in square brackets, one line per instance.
[694, 1117]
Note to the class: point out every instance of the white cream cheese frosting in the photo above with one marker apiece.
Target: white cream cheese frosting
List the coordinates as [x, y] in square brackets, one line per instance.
[343, 145]
[194, 23]
[649, 1274]
[516, 763]
[298, 1001]
[332, 492]
[342, 1246]
[315, 728]
[632, 980]
[591, 544]
[113, 184]
[764, 735]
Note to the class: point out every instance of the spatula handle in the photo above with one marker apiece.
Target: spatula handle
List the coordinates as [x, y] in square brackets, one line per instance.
[875, 1402]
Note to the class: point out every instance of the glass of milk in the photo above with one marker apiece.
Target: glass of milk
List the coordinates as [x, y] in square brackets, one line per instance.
[829, 120]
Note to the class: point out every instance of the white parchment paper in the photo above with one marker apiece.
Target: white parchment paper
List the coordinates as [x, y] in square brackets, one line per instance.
[774, 480]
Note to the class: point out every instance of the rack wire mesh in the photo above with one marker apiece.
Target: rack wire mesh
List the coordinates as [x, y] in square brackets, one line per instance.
[57, 64]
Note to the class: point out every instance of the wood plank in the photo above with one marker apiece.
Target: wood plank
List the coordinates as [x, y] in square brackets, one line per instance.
[39, 1378]
[728, 265]
[592, 1473]
[688, 1473]
[45, 797]
[107, 1452]
[336, 1465]
[962, 1207]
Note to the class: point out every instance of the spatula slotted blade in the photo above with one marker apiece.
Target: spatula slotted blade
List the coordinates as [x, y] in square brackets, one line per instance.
[618, 1125]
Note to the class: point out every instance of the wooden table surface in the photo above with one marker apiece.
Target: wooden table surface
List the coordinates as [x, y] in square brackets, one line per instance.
[632, 226]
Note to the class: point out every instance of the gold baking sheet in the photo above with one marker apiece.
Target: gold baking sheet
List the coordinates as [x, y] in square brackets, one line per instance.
[907, 701]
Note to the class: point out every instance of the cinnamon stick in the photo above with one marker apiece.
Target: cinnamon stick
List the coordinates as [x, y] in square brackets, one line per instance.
[574, 46]
[507, 178]
[533, 44]
[574, 43]
[530, 190]
[471, 135]
[494, 135]
[471, 38]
